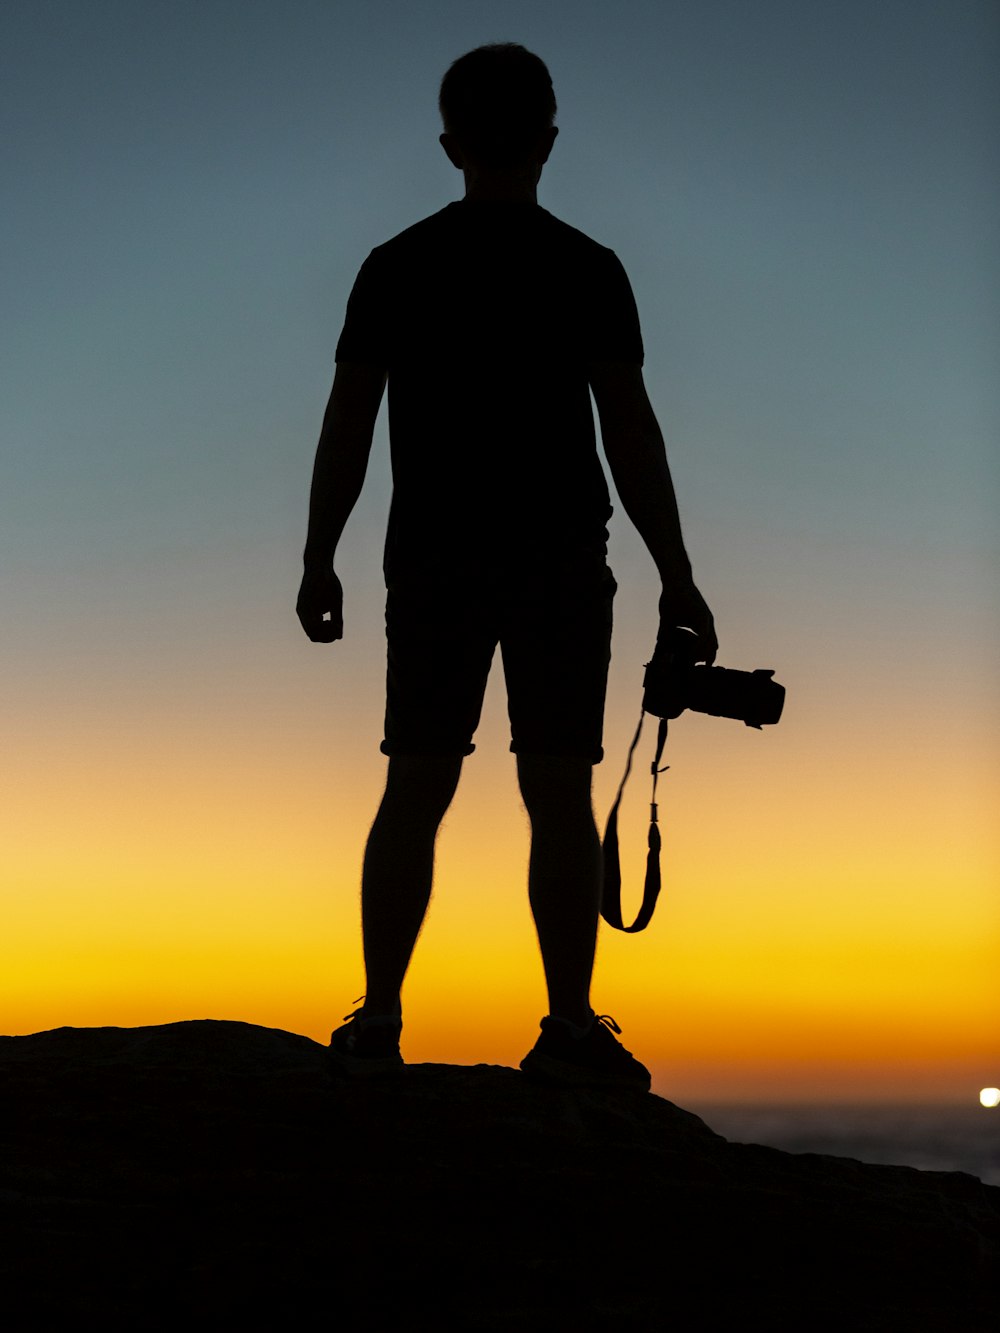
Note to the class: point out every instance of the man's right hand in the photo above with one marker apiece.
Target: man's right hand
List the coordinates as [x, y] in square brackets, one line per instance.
[321, 596]
[683, 604]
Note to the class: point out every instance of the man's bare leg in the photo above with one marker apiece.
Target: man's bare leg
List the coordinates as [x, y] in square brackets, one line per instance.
[399, 868]
[564, 877]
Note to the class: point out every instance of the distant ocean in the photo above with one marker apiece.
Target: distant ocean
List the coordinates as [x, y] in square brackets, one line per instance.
[933, 1138]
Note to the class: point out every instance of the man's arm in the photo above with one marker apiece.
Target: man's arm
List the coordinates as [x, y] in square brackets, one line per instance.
[633, 445]
[338, 475]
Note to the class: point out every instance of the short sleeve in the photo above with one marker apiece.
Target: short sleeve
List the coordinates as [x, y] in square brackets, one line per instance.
[614, 333]
[364, 336]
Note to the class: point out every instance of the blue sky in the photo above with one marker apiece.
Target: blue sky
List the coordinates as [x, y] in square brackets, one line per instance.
[802, 194]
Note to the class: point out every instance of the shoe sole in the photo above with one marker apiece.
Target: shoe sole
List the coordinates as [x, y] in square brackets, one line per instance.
[353, 1066]
[544, 1069]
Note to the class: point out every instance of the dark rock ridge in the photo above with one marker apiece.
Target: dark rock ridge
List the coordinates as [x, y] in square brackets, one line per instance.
[187, 1174]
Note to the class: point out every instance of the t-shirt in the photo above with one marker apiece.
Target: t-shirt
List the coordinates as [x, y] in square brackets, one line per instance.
[485, 316]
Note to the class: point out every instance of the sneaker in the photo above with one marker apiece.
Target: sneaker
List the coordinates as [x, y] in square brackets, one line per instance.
[366, 1046]
[565, 1055]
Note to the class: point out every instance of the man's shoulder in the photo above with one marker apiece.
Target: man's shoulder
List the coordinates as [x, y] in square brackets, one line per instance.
[570, 236]
[429, 231]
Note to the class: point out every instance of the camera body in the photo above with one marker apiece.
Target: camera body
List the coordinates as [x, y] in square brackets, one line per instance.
[674, 681]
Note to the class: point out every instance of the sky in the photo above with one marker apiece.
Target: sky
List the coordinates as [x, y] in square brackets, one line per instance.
[803, 195]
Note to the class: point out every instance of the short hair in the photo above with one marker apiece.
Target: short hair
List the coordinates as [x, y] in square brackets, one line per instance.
[496, 101]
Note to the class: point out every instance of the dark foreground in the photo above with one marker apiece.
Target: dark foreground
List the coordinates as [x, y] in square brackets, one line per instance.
[194, 1173]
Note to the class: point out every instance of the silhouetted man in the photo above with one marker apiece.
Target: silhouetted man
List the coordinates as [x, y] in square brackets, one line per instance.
[493, 322]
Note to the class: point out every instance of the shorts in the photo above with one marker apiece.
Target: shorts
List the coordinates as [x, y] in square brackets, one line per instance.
[553, 624]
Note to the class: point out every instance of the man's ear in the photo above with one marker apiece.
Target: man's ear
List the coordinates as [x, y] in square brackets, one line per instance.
[546, 141]
[455, 155]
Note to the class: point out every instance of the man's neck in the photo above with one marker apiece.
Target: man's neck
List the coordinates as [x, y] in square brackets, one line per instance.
[502, 187]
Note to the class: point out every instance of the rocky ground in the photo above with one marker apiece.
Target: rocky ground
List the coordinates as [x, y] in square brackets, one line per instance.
[197, 1172]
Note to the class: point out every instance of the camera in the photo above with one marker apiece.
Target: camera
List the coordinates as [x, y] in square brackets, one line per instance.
[674, 681]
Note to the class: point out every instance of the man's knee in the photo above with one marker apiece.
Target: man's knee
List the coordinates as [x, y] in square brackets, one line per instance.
[555, 785]
[422, 785]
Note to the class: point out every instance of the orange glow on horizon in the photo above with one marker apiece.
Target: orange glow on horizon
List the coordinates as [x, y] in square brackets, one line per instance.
[819, 914]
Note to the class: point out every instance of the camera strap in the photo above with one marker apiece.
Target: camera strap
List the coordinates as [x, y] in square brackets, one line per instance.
[611, 901]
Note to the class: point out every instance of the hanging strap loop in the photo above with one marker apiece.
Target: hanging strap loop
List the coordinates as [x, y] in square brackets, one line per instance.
[611, 901]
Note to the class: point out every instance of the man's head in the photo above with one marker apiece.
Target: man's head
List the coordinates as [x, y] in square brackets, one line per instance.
[498, 106]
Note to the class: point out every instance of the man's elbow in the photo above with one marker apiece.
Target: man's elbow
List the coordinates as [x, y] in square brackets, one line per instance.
[354, 401]
[623, 405]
